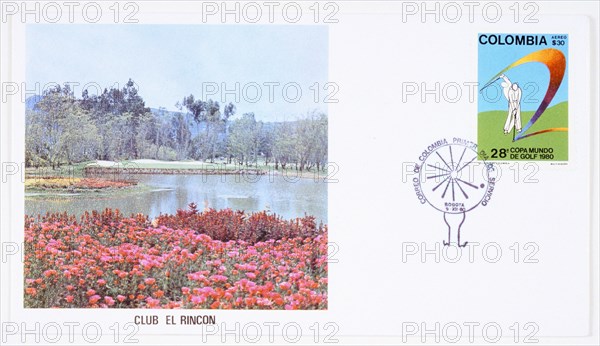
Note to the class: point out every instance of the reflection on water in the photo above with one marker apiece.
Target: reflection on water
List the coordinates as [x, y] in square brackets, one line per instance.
[168, 193]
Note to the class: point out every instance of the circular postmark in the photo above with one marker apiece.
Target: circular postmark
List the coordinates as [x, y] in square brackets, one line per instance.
[453, 178]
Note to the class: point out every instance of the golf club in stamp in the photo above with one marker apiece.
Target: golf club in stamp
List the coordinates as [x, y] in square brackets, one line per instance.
[523, 99]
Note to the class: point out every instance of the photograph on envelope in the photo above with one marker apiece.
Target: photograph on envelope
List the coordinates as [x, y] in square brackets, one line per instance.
[140, 194]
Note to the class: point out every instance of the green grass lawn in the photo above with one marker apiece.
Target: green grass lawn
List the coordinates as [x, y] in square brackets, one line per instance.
[179, 165]
[76, 170]
[490, 134]
[196, 165]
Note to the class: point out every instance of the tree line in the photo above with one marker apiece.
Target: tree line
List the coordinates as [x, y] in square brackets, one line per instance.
[116, 125]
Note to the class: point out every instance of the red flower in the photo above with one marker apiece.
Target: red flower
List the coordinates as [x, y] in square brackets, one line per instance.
[109, 301]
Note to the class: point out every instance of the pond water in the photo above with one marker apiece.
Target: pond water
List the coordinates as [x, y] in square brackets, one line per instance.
[167, 193]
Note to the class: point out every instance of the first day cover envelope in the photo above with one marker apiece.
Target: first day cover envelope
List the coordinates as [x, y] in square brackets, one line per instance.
[299, 172]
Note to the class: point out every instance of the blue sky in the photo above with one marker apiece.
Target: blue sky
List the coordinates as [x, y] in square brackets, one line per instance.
[493, 58]
[168, 62]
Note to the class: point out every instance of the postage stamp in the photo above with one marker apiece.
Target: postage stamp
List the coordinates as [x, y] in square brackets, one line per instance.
[523, 98]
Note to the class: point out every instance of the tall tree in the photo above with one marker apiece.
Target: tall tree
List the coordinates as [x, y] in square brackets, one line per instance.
[243, 138]
[180, 135]
[56, 103]
[117, 103]
[79, 140]
[284, 141]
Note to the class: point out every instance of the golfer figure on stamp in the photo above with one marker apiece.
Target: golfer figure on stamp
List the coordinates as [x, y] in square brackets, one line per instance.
[512, 92]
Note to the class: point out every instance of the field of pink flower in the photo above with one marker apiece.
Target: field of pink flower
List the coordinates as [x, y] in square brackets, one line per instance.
[201, 260]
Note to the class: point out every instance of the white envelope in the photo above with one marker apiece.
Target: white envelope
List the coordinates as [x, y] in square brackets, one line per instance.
[399, 85]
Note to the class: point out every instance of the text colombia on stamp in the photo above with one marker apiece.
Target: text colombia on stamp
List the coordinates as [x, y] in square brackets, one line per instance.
[523, 98]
